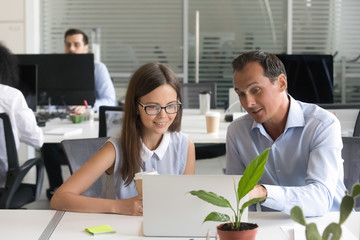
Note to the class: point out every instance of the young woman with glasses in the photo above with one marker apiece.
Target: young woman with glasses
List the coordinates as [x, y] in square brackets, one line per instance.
[150, 139]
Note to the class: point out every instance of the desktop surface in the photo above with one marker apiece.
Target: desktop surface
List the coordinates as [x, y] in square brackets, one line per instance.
[31, 224]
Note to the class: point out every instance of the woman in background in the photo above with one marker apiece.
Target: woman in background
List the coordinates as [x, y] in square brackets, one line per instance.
[12, 102]
[150, 139]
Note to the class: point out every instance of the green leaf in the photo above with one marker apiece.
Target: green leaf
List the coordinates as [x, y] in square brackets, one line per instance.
[346, 207]
[297, 215]
[252, 174]
[251, 202]
[212, 198]
[217, 217]
[312, 232]
[333, 230]
[355, 190]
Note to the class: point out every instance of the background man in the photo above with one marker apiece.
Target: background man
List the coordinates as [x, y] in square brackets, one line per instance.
[76, 42]
[305, 167]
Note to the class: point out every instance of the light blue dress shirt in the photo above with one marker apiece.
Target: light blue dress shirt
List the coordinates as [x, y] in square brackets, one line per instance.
[304, 167]
[170, 157]
[104, 88]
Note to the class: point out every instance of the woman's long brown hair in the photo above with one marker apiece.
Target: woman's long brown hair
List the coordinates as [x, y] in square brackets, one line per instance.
[143, 81]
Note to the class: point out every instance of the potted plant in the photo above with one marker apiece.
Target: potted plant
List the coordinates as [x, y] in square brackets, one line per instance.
[247, 182]
[333, 230]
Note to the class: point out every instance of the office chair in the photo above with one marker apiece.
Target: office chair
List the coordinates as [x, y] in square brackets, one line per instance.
[346, 106]
[78, 152]
[190, 94]
[190, 99]
[351, 155]
[110, 120]
[16, 194]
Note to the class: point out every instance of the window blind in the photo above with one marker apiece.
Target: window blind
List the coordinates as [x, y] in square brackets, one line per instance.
[132, 32]
[228, 28]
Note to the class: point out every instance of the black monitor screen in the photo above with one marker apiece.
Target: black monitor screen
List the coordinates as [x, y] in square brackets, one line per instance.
[28, 84]
[63, 79]
[310, 77]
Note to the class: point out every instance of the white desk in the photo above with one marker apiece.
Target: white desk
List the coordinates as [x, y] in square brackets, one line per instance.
[72, 225]
[193, 124]
[24, 224]
[32, 224]
[90, 129]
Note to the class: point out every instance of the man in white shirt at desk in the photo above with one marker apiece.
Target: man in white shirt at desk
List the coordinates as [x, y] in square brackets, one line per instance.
[76, 42]
[304, 167]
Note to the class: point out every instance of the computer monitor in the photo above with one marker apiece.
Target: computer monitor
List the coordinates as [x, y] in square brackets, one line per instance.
[63, 79]
[310, 77]
[28, 84]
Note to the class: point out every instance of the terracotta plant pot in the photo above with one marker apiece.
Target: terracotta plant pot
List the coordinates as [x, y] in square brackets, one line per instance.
[249, 233]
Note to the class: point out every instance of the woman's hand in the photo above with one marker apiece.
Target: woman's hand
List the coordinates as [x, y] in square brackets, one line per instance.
[132, 206]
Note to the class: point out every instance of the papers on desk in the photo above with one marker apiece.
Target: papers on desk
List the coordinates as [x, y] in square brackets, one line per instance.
[64, 131]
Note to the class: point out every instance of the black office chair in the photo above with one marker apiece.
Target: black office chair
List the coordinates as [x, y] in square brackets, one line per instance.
[78, 152]
[349, 106]
[110, 120]
[16, 194]
[351, 155]
[190, 99]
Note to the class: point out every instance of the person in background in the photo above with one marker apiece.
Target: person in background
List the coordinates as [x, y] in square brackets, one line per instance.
[305, 166]
[13, 103]
[150, 139]
[76, 42]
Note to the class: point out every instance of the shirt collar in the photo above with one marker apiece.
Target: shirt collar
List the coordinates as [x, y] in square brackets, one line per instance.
[295, 116]
[159, 151]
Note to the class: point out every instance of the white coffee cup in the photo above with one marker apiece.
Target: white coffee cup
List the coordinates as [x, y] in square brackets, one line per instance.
[139, 177]
[212, 122]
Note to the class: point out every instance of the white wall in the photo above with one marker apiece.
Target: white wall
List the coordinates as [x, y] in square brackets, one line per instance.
[19, 25]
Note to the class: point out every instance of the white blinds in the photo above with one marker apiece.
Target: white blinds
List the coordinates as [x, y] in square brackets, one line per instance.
[134, 32]
[228, 28]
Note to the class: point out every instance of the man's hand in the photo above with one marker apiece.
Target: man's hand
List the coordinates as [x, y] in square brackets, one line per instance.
[257, 192]
[78, 109]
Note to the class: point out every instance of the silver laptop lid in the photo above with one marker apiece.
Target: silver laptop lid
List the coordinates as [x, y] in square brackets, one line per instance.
[170, 211]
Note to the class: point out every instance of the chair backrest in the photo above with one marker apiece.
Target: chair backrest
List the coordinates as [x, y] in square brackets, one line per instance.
[11, 151]
[110, 120]
[351, 155]
[190, 94]
[348, 114]
[78, 152]
[16, 194]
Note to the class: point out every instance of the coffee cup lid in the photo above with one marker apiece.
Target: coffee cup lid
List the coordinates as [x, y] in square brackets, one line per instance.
[212, 114]
[140, 175]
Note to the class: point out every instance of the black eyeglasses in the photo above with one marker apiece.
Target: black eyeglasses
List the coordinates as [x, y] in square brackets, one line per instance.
[156, 109]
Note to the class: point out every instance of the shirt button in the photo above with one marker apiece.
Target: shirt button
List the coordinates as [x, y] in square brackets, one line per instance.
[278, 170]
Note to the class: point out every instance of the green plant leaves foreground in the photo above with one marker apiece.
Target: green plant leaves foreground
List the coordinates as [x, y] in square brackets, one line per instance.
[217, 217]
[252, 174]
[212, 198]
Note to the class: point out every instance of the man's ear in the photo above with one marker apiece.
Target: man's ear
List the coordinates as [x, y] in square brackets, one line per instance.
[282, 81]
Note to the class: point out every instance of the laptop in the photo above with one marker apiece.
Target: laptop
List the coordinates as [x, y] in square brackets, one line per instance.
[170, 211]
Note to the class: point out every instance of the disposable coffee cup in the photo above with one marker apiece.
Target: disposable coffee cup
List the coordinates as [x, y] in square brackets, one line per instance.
[212, 122]
[139, 178]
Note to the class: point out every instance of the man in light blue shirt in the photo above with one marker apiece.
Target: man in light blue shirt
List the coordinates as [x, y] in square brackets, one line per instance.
[76, 42]
[304, 167]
